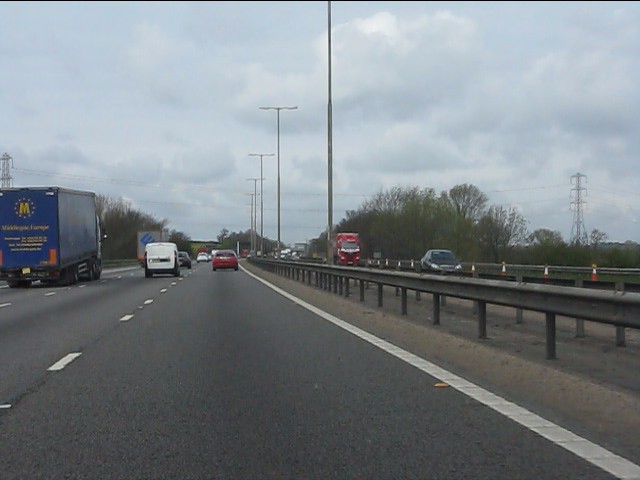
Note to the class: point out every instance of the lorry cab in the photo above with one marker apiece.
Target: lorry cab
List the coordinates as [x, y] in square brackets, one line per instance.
[161, 258]
[346, 249]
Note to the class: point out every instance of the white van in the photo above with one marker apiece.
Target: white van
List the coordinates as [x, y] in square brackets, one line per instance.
[161, 257]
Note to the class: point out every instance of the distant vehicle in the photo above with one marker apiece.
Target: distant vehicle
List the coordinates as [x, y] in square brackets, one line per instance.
[50, 234]
[202, 257]
[184, 259]
[346, 249]
[224, 259]
[286, 254]
[144, 237]
[441, 261]
[300, 251]
[161, 257]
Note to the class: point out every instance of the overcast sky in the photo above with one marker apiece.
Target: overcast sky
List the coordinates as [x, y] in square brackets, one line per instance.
[158, 104]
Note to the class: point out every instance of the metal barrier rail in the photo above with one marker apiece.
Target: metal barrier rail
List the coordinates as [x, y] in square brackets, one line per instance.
[618, 308]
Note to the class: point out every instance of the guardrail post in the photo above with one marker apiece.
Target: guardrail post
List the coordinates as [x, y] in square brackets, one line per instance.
[519, 311]
[397, 291]
[404, 301]
[579, 321]
[346, 288]
[620, 331]
[436, 309]
[362, 283]
[551, 335]
[336, 280]
[482, 319]
[341, 284]
[380, 294]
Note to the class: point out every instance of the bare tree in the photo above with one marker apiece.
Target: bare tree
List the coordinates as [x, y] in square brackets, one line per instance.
[596, 237]
[224, 234]
[500, 229]
[468, 201]
[545, 237]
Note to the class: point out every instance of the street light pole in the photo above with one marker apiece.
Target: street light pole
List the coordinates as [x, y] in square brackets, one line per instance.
[261, 200]
[251, 228]
[329, 151]
[254, 200]
[277, 109]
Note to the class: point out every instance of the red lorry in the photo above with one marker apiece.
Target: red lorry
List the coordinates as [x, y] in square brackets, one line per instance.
[346, 249]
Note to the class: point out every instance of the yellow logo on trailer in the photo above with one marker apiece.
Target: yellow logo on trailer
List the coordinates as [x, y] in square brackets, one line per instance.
[24, 208]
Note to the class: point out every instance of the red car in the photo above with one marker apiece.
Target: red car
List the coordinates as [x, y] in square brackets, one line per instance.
[225, 259]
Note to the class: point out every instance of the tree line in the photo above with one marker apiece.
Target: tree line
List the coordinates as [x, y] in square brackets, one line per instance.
[402, 223]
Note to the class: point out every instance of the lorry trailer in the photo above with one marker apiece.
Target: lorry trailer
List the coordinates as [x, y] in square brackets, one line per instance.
[49, 234]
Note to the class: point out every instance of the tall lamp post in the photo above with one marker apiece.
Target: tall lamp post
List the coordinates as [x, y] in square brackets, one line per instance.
[329, 150]
[261, 200]
[251, 228]
[277, 109]
[254, 200]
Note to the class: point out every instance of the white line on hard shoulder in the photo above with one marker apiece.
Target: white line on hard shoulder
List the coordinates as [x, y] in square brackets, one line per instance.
[126, 318]
[2, 305]
[64, 361]
[583, 448]
[149, 301]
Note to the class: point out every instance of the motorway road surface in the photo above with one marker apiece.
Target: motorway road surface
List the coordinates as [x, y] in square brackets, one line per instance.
[217, 375]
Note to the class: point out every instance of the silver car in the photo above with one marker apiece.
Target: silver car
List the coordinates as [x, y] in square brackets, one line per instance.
[440, 261]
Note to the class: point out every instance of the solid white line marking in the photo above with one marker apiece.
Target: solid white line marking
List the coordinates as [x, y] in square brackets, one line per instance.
[126, 318]
[148, 302]
[49, 294]
[583, 448]
[63, 362]
[5, 406]
[2, 305]
[163, 290]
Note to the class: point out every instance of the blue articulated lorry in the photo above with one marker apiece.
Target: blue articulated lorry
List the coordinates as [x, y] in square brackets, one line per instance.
[49, 234]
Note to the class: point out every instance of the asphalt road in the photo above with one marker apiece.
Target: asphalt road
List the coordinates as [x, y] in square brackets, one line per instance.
[216, 375]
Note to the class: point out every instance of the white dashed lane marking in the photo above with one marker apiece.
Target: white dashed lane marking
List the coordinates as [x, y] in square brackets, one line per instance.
[63, 362]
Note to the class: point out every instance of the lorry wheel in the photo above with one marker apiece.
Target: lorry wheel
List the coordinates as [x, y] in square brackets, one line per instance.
[91, 269]
[70, 275]
[98, 271]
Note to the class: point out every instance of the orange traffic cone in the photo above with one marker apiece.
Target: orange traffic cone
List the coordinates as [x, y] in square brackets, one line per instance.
[594, 273]
[504, 269]
[546, 272]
